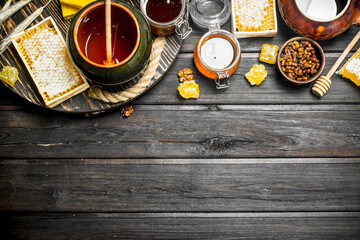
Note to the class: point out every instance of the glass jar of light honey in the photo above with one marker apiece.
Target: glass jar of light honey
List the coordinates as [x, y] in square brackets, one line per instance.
[217, 54]
[167, 16]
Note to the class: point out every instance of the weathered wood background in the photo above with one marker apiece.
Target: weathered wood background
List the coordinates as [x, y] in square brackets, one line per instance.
[271, 161]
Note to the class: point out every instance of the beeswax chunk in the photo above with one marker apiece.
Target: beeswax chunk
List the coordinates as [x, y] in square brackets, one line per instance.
[256, 74]
[189, 89]
[9, 75]
[268, 53]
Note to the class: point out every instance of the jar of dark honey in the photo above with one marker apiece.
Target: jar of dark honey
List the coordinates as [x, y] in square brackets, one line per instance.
[217, 53]
[167, 16]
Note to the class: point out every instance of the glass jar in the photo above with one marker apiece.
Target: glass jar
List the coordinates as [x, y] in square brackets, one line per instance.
[166, 23]
[217, 54]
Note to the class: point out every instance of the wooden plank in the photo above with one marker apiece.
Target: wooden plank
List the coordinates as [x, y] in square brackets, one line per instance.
[102, 185]
[181, 226]
[186, 161]
[176, 132]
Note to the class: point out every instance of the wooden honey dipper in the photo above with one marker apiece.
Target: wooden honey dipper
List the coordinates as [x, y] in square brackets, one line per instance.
[108, 60]
[322, 85]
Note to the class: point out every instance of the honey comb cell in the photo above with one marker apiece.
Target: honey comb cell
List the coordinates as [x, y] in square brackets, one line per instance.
[254, 18]
[351, 69]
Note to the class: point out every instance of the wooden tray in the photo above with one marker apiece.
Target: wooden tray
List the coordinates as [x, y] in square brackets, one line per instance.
[82, 103]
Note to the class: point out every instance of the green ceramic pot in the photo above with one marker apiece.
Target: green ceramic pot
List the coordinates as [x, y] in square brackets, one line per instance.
[131, 37]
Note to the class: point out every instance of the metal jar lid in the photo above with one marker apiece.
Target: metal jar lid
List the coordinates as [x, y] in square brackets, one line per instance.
[210, 13]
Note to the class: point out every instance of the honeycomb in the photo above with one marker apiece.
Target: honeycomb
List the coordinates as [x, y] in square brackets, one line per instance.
[189, 89]
[256, 74]
[254, 15]
[268, 53]
[9, 75]
[351, 69]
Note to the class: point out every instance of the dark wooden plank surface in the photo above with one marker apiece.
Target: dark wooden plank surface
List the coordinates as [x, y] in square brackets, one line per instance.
[167, 131]
[183, 226]
[265, 162]
[201, 185]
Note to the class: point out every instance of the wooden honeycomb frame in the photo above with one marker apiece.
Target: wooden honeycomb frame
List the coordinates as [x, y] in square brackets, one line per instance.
[262, 31]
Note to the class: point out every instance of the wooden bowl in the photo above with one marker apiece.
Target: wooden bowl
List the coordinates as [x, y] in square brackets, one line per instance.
[132, 42]
[319, 53]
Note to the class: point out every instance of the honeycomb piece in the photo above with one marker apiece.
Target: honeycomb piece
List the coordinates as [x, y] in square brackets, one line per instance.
[351, 69]
[256, 74]
[9, 75]
[189, 89]
[254, 15]
[268, 53]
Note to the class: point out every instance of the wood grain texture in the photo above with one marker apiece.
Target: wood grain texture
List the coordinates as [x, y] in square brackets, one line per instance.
[265, 162]
[170, 131]
[86, 185]
[182, 226]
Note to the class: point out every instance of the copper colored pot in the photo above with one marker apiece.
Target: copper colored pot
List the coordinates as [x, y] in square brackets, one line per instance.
[319, 29]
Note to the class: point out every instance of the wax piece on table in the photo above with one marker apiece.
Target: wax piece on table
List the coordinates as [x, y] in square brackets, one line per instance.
[9, 75]
[268, 53]
[351, 69]
[256, 74]
[189, 89]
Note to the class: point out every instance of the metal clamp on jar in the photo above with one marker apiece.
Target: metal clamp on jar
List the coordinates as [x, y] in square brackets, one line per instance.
[167, 16]
[217, 53]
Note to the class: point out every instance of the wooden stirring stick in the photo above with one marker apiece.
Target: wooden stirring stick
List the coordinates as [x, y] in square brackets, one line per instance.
[322, 85]
[109, 59]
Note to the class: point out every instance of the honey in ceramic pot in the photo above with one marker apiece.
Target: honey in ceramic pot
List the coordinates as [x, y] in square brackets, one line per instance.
[131, 43]
[91, 35]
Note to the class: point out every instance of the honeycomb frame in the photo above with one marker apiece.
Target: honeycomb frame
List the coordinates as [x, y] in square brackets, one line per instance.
[261, 31]
[48, 23]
